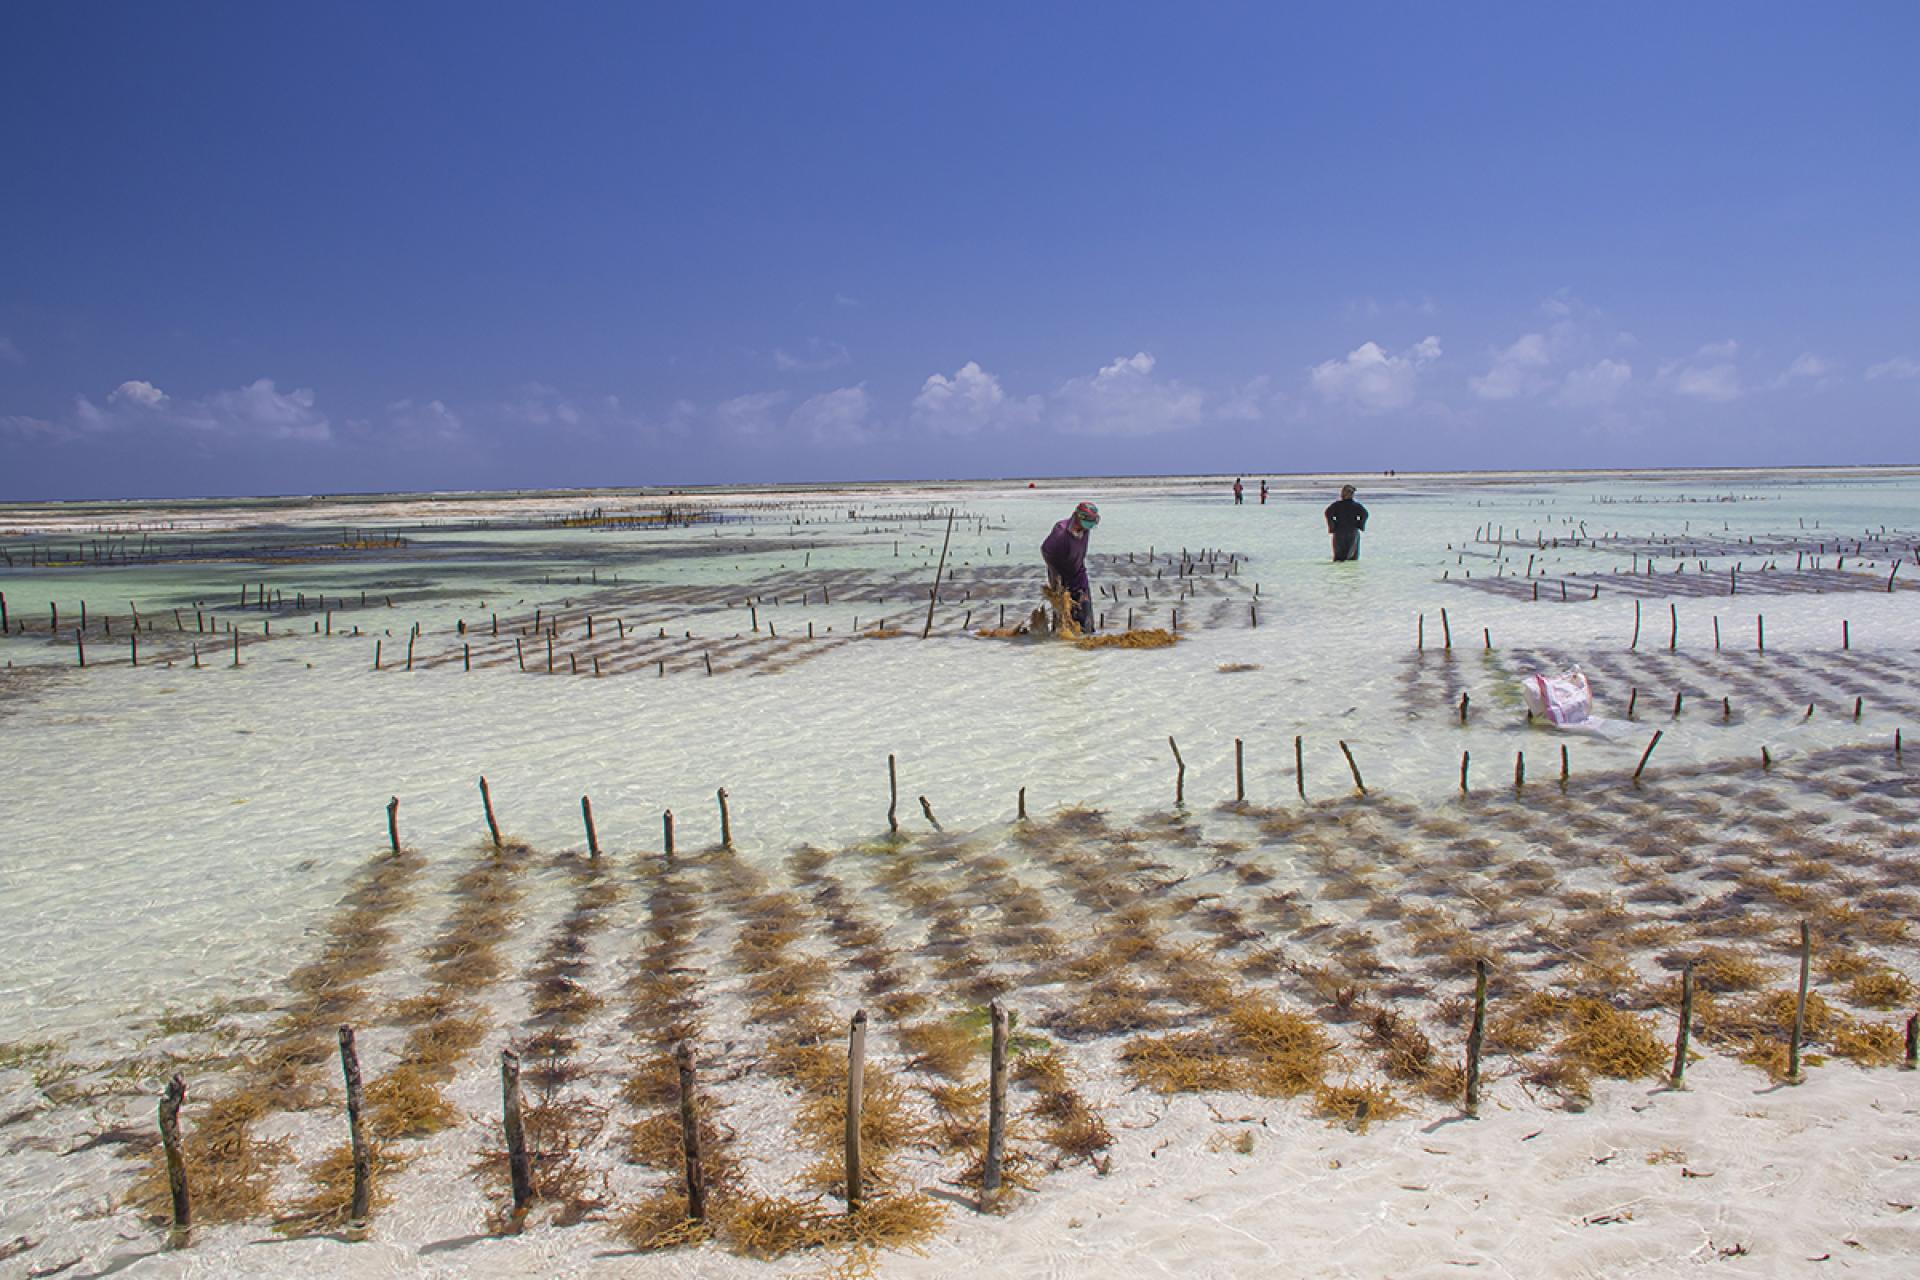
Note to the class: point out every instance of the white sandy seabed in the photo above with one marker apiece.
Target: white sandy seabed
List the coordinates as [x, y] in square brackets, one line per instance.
[168, 839]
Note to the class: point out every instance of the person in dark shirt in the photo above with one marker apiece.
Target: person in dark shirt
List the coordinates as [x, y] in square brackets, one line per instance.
[1345, 519]
[1065, 551]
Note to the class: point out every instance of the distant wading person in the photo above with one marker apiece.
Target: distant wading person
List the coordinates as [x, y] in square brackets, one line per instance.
[1345, 519]
[1065, 551]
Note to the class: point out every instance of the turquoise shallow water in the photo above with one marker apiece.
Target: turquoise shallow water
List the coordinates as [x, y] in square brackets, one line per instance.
[170, 834]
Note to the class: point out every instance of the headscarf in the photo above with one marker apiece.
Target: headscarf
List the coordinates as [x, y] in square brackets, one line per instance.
[1086, 515]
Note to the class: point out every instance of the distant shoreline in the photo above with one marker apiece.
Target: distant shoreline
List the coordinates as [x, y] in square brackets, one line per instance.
[1372, 479]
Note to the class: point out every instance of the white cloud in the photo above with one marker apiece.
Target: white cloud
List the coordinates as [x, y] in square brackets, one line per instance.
[137, 392]
[423, 420]
[10, 354]
[1598, 383]
[1371, 380]
[749, 415]
[259, 410]
[971, 400]
[1806, 368]
[1900, 368]
[538, 405]
[1516, 371]
[846, 300]
[816, 357]
[1709, 374]
[1124, 399]
[834, 417]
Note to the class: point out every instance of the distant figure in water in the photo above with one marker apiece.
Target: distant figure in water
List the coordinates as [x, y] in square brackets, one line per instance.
[1263, 493]
[1065, 551]
[1239, 495]
[1345, 519]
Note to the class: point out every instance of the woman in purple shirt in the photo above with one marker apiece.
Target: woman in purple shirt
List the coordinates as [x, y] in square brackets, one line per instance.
[1065, 551]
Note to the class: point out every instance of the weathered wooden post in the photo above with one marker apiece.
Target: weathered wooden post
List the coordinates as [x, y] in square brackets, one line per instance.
[666, 824]
[519, 1167]
[1476, 1035]
[1299, 765]
[1446, 631]
[1358, 784]
[486, 803]
[1239, 772]
[690, 1136]
[1645, 756]
[726, 822]
[1179, 775]
[893, 795]
[1464, 757]
[593, 837]
[1678, 1077]
[393, 823]
[1023, 805]
[933, 596]
[856, 1094]
[176, 1093]
[996, 1102]
[1800, 1004]
[362, 1159]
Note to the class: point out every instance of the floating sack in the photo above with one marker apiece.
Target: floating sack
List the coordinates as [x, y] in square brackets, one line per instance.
[1562, 699]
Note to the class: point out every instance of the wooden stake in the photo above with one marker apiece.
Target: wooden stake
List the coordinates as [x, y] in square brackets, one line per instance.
[1635, 642]
[1633, 697]
[1800, 1004]
[486, 802]
[593, 837]
[1646, 755]
[996, 1101]
[1912, 1060]
[1179, 775]
[1464, 701]
[1677, 1079]
[690, 1136]
[1358, 785]
[1716, 633]
[393, 823]
[1420, 634]
[1673, 636]
[176, 1093]
[1566, 771]
[1299, 766]
[893, 795]
[726, 822]
[362, 1158]
[1760, 632]
[1519, 770]
[1464, 757]
[1476, 1035]
[1446, 631]
[1846, 636]
[856, 1092]
[519, 1167]
[666, 825]
[927, 809]
[933, 596]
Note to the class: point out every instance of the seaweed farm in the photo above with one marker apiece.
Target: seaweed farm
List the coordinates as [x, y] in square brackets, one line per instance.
[1299, 944]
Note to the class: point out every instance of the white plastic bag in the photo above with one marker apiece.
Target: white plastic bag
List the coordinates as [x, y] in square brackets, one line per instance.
[1562, 699]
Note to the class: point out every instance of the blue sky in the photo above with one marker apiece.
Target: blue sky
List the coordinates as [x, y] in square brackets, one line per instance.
[275, 248]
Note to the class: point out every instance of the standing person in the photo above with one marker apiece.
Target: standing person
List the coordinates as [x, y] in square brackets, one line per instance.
[1065, 551]
[1345, 519]
[1238, 495]
[1263, 493]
